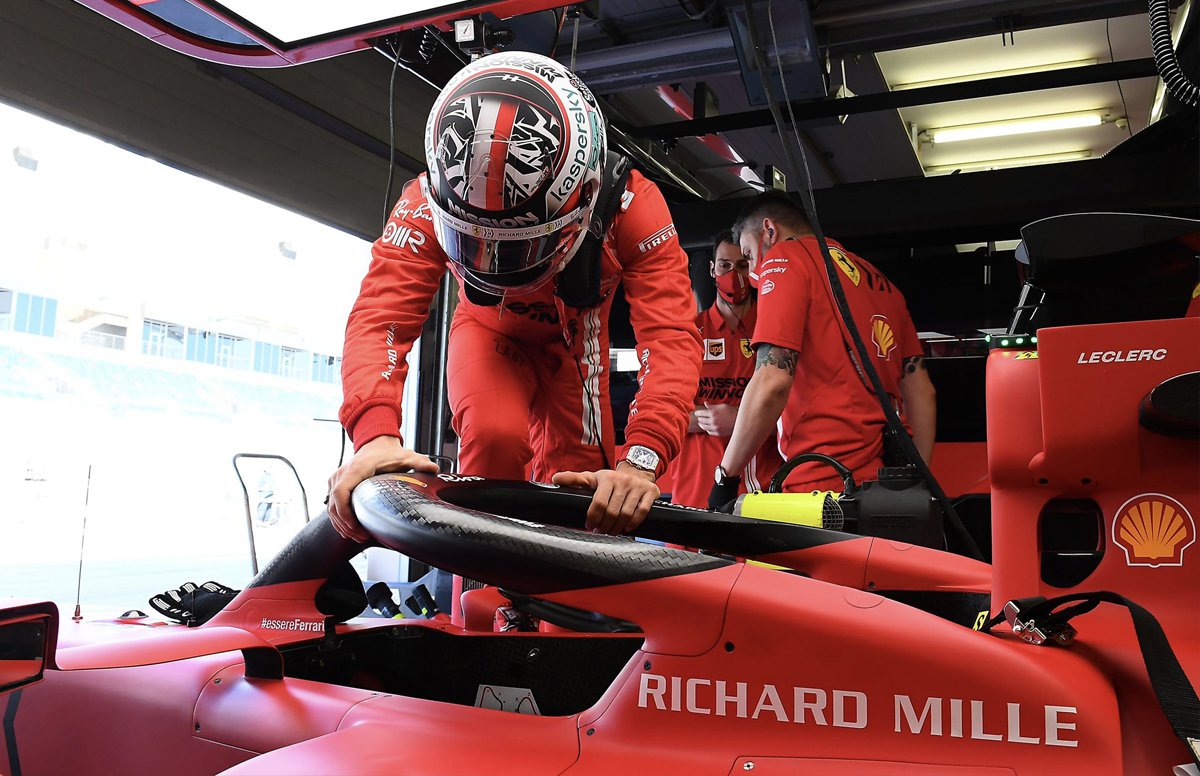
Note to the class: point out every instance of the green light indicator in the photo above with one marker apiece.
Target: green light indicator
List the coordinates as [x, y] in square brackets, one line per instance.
[1020, 340]
[1003, 343]
[1033, 340]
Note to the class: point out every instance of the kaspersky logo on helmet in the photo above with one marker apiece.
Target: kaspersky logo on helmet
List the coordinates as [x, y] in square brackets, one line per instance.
[1153, 530]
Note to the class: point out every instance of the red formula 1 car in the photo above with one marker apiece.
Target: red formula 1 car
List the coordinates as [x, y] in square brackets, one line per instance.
[854, 659]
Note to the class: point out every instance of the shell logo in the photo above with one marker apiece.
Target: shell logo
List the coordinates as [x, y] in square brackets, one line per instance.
[847, 266]
[1153, 530]
[883, 336]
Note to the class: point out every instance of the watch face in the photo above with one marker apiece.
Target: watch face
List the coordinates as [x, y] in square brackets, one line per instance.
[642, 457]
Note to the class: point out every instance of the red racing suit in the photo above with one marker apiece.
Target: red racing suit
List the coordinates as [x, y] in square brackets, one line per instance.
[726, 371]
[831, 409]
[528, 378]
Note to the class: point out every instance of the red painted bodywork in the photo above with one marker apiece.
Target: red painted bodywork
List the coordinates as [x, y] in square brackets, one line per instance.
[835, 647]
[961, 468]
[1058, 428]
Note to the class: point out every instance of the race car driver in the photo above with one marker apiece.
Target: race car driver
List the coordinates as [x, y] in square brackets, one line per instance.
[806, 378]
[726, 329]
[519, 176]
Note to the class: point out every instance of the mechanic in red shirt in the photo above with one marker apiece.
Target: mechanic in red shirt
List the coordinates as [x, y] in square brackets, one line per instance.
[807, 380]
[519, 175]
[726, 329]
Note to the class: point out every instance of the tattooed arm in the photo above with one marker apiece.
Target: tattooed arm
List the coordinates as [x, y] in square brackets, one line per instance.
[920, 405]
[762, 404]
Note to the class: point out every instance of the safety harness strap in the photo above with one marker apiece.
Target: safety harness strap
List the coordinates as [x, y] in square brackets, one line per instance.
[578, 285]
[1041, 621]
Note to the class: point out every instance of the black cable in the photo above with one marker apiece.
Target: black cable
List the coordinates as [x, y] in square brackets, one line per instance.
[892, 420]
[387, 192]
[1113, 58]
[558, 25]
[455, 52]
[1174, 79]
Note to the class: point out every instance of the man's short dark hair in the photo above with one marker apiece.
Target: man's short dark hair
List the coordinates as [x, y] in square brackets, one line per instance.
[774, 205]
[721, 237]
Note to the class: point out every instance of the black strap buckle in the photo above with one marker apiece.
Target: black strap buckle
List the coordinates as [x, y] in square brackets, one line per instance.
[1037, 631]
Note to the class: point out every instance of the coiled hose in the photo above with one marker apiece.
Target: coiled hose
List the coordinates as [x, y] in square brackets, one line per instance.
[1165, 61]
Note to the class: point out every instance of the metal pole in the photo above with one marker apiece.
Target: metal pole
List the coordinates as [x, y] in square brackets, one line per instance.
[443, 348]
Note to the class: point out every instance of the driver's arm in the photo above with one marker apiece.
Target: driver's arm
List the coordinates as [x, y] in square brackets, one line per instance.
[406, 267]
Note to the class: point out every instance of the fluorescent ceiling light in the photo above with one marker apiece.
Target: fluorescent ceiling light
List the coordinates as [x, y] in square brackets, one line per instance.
[1000, 164]
[956, 79]
[1025, 126]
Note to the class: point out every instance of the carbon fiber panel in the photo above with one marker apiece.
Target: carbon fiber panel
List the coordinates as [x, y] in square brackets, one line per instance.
[566, 507]
[523, 556]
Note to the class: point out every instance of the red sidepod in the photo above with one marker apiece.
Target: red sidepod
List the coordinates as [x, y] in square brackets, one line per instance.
[1064, 440]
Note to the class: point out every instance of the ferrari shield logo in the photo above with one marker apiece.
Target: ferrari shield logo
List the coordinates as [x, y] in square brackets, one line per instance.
[1153, 530]
[747, 351]
[714, 350]
[847, 266]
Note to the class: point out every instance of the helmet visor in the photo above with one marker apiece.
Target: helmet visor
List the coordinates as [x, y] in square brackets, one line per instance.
[506, 256]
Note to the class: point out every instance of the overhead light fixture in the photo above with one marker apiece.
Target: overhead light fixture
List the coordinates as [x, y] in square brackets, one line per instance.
[956, 79]
[1007, 127]
[1012, 161]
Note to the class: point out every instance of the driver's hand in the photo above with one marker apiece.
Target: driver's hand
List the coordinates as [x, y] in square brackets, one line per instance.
[622, 497]
[380, 455]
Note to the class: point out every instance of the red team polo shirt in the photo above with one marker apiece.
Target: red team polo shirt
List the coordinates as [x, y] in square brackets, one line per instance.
[831, 409]
[725, 371]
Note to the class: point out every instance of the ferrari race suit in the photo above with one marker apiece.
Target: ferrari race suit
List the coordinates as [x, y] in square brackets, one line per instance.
[528, 377]
[727, 368]
[831, 409]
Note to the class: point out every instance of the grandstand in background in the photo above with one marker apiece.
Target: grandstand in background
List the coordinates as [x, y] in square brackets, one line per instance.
[152, 326]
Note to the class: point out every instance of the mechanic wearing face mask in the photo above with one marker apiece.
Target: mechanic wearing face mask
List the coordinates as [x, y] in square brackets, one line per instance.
[726, 329]
[519, 175]
[806, 378]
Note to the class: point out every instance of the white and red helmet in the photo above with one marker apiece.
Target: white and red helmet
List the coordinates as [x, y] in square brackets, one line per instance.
[515, 145]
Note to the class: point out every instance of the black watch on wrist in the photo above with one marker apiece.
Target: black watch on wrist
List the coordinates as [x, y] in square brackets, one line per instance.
[723, 478]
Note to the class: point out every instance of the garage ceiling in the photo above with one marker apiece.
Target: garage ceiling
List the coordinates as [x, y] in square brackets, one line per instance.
[315, 137]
